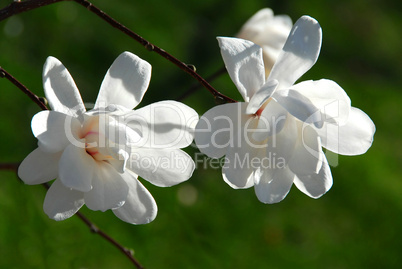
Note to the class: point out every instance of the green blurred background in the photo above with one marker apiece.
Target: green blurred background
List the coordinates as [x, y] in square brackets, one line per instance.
[203, 223]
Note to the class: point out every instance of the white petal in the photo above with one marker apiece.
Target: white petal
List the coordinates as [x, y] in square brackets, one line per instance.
[316, 102]
[256, 23]
[265, 29]
[315, 185]
[353, 138]
[120, 163]
[283, 20]
[39, 167]
[271, 120]
[307, 156]
[61, 202]
[268, 31]
[243, 60]
[258, 99]
[166, 124]
[60, 89]
[54, 130]
[116, 137]
[125, 83]
[299, 53]
[161, 167]
[273, 185]
[140, 206]
[281, 145]
[109, 190]
[215, 130]
[240, 163]
[76, 168]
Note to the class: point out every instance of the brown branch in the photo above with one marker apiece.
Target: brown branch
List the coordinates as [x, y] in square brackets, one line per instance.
[18, 7]
[129, 253]
[9, 166]
[14, 167]
[107, 237]
[34, 97]
[151, 47]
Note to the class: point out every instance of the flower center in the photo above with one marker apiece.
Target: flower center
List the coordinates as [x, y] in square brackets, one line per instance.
[94, 145]
[259, 111]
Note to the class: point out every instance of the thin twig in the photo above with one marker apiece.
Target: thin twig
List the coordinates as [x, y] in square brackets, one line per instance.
[151, 47]
[34, 97]
[18, 7]
[9, 166]
[129, 253]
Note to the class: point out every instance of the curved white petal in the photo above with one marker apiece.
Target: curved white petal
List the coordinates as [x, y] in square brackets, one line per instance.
[281, 145]
[119, 164]
[76, 168]
[116, 138]
[307, 157]
[39, 167]
[54, 130]
[265, 29]
[264, 25]
[165, 124]
[60, 89]
[262, 95]
[140, 207]
[161, 167]
[244, 63]
[299, 53]
[256, 23]
[62, 202]
[109, 190]
[271, 120]
[316, 102]
[284, 20]
[272, 185]
[113, 110]
[240, 162]
[315, 185]
[268, 31]
[353, 138]
[215, 130]
[125, 83]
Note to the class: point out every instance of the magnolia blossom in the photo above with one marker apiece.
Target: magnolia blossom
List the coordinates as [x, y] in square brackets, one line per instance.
[96, 156]
[274, 139]
[268, 31]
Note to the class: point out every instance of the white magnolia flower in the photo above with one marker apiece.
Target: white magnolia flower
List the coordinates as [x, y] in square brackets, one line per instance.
[268, 31]
[94, 156]
[275, 137]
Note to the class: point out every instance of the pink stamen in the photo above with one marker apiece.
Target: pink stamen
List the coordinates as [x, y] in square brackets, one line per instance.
[92, 153]
[91, 132]
[259, 111]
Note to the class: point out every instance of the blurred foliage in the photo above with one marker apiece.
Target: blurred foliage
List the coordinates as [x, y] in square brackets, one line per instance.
[203, 223]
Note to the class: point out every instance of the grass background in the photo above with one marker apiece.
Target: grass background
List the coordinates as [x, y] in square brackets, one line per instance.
[357, 224]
